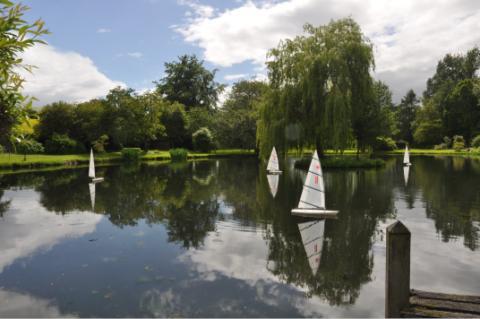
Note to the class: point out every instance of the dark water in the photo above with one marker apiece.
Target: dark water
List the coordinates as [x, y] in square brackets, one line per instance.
[208, 239]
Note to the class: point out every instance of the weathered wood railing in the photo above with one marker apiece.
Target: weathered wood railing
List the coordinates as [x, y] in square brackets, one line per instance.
[401, 301]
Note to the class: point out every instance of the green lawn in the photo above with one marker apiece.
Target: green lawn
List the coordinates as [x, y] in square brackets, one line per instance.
[17, 160]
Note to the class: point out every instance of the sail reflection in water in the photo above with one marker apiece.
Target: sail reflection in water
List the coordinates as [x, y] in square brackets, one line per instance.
[273, 183]
[406, 172]
[91, 187]
[312, 239]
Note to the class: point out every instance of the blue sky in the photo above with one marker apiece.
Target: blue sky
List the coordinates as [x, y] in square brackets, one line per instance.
[98, 44]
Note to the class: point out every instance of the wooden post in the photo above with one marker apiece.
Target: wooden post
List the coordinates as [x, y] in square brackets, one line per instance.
[397, 281]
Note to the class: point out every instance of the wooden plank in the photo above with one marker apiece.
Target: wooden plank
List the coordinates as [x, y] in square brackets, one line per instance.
[419, 312]
[446, 305]
[442, 296]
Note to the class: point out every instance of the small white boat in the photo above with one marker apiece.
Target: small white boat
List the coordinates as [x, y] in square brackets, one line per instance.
[312, 239]
[312, 201]
[91, 169]
[406, 157]
[273, 167]
[91, 187]
[273, 183]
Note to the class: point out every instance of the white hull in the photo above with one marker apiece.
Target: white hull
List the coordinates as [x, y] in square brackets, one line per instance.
[97, 180]
[311, 212]
[274, 172]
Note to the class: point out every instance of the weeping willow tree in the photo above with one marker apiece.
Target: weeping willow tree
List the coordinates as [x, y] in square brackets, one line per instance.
[321, 91]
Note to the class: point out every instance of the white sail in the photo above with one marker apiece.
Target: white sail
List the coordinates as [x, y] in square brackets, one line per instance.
[91, 166]
[91, 187]
[406, 156]
[273, 183]
[273, 161]
[406, 171]
[313, 194]
[312, 239]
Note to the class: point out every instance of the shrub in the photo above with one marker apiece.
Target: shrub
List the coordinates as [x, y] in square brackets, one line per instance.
[458, 143]
[441, 146]
[29, 146]
[62, 144]
[131, 154]
[383, 143]
[203, 140]
[100, 143]
[178, 154]
[476, 141]
[447, 141]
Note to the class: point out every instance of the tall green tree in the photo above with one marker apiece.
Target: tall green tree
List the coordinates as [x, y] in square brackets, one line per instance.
[16, 35]
[405, 115]
[188, 82]
[56, 118]
[321, 89]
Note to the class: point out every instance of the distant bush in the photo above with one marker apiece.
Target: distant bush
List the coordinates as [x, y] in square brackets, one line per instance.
[178, 154]
[100, 143]
[383, 143]
[447, 141]
[458, 143]
[29, 146]
[476, 141]
[131, 154]
[62, 144]
[203, 140]
[441, 146]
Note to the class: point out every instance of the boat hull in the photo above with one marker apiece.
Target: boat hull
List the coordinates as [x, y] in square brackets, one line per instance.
[407, 164]
[97, 180]
[318, 213]
[274, 172]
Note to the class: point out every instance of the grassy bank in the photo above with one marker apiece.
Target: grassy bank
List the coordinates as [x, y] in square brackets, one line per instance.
[16, 161]
[418, 151]
[342, 162]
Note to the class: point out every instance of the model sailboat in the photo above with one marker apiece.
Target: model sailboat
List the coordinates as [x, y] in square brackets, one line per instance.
[312, 201]
[91, 169]
[312, 239]
[273, 167]
[406, 157]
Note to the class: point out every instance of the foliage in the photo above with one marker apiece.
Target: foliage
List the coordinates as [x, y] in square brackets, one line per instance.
[405, 115]
[342, 162]
[2, 149]
[441, 146]
[100, 144]
[175, 120]
[56, 118]
[62, 144]
[458, 143]
[29, 146]
[476, 141]
[385, 144]
[188, 82]
[203, 140]
[427, 126]
[131, 154]
[16, 35]
[178, 154]
[322, 91]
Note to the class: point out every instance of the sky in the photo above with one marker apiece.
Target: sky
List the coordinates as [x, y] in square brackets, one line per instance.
[97, 45]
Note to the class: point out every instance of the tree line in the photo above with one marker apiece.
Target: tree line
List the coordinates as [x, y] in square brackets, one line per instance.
[320, 93]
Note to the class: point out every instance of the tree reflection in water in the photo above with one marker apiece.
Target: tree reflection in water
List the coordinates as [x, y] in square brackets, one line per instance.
[189, 201]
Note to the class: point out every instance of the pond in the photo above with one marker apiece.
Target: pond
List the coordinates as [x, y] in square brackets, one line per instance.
[207, 238]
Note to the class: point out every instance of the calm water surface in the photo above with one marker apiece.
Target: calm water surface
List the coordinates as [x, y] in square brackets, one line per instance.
[208, 239]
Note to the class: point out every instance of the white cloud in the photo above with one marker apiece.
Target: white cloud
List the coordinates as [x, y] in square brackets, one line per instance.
[409, 36]
[66, 76]
[104, 30]
[136, 55]
[233, 77]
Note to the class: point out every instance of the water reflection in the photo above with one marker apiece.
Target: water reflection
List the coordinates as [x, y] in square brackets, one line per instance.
[151, 239]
